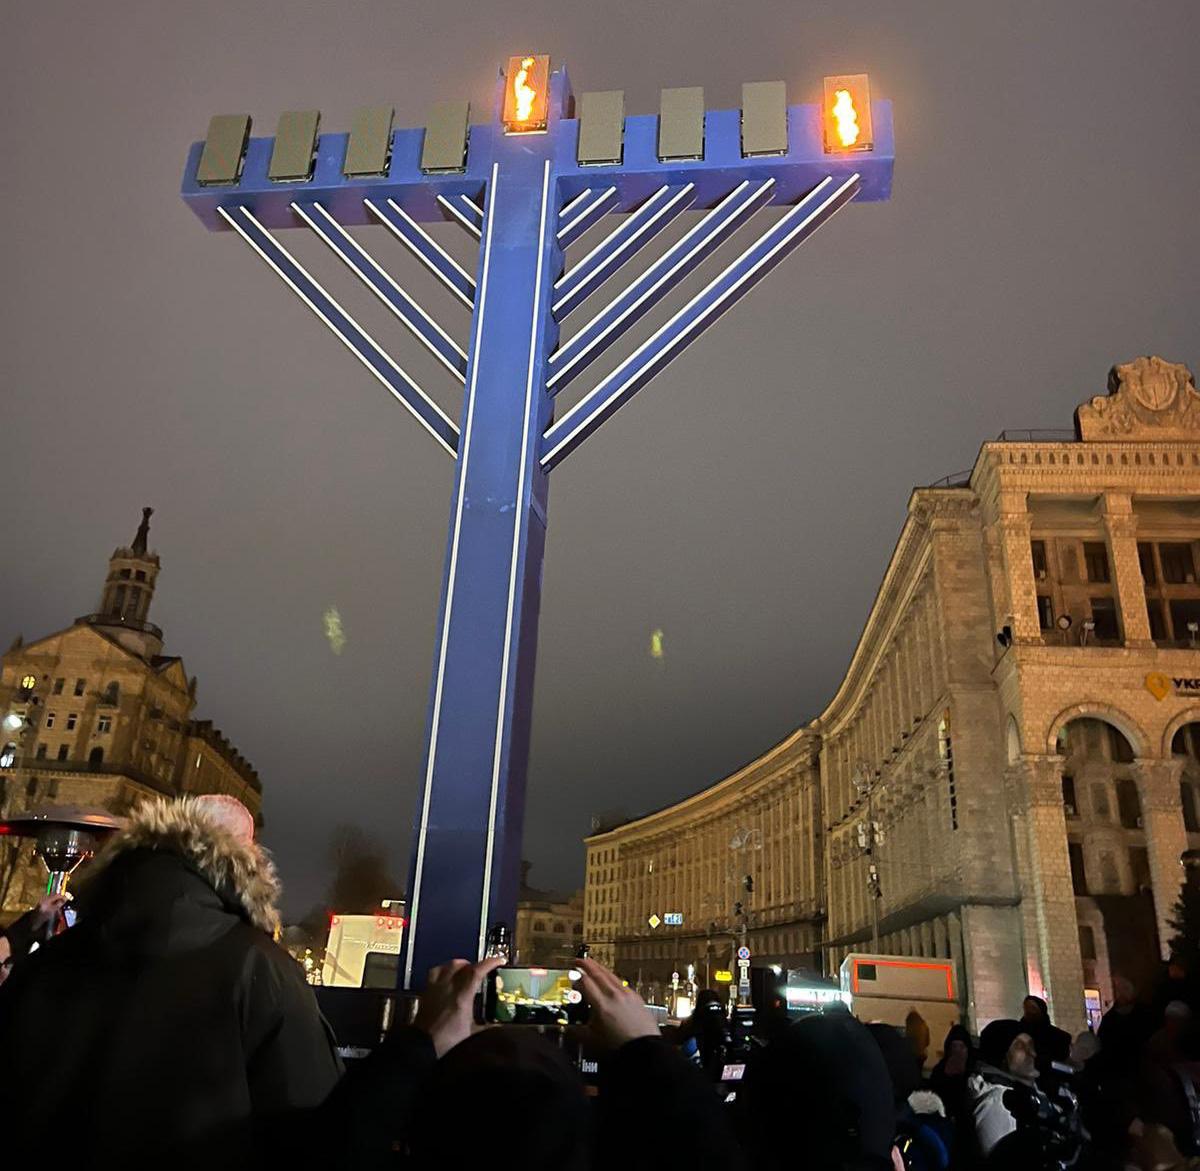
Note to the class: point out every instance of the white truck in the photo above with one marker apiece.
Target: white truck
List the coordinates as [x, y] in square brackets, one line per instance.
[887, 988]
[363, 950]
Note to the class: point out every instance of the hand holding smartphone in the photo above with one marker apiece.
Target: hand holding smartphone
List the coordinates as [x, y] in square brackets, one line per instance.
[534, 996]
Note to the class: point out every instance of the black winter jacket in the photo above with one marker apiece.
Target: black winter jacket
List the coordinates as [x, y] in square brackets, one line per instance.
[167, 1020]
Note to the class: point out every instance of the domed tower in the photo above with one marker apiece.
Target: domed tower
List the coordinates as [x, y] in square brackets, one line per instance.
[128, 592]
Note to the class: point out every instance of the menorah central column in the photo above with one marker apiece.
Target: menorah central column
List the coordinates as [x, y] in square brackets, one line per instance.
[466, 850]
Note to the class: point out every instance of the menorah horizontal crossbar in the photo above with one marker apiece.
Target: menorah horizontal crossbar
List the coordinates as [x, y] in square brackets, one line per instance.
[527, 186]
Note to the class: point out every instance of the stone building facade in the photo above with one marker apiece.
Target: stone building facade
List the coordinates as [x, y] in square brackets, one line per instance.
[96, 715]
[1015, 746]
[549, 927]
[739, 862]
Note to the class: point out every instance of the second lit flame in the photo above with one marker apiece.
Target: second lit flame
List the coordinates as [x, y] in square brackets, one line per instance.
[846, 117]
[524, 93]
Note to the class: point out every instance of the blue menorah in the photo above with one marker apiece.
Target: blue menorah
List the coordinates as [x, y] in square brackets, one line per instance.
[526, 186]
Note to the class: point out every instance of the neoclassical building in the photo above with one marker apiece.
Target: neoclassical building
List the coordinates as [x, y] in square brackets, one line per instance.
[549, 925]
[96, 715]
[1014, 748]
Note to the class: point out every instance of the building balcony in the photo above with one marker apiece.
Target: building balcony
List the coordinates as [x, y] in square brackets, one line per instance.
[122, 621]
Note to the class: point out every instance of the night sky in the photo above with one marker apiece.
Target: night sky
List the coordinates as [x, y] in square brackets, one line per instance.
[1043, 226]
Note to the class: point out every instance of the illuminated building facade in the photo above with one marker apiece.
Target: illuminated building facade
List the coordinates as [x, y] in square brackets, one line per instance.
[549, 926]
[96, 715]
[1015, 746]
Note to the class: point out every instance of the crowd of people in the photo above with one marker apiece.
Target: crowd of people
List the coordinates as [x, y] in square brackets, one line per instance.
[167, 1024]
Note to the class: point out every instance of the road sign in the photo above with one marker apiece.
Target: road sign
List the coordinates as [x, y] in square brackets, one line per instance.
[654, 921]
[673, 918]
[743, 952]
[723, 976]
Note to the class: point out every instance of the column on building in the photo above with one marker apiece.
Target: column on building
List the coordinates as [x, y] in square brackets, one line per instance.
[1166, 837]
[1120, 525]
[1014, 525]
[1039, 784]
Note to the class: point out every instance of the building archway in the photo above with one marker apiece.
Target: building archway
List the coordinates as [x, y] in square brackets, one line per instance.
[1185, 743]
[1107, 843]
[1125, 724]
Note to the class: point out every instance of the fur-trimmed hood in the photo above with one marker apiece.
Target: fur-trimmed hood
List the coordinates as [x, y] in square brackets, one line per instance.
[242, 874]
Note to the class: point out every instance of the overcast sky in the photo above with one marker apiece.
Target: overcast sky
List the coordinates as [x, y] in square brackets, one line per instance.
[1043, 226]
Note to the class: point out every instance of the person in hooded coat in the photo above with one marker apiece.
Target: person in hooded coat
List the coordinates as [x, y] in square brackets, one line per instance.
[167, 1021]
[820, 1097]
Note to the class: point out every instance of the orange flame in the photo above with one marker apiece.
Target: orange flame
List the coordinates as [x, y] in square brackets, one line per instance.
[846, 117]
[525, 94]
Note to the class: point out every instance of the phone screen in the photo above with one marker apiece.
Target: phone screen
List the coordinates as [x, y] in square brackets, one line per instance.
[534, 996]
[733, 1073]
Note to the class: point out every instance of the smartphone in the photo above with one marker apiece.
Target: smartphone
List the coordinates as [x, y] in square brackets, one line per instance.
[734, 1072]
[534, 996]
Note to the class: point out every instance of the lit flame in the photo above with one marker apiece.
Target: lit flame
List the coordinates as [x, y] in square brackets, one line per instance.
[525, 94]
[846, 117]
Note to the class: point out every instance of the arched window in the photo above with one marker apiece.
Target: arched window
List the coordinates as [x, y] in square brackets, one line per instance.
[118, 602]
[560, 928]
[1187, 799]
[539, 925]
[8, 755]
[96, 756]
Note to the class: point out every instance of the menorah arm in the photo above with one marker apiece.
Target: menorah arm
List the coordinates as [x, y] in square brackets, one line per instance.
[719, 295]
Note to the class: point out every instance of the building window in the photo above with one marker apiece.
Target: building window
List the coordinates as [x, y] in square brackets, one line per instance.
[539, 925]
[1068, 794]
[31, 787]
[79, 683]
[139, 575]
[1187, 798]
[118, 602]
[1040, 568]
[1104, 615]
[111, 695]
[560, 928]
[1045, 605]
[41, 752]
[104, 724]
[64, 750]
[50, 717]
[1158, 625]
[8, 755]
[946, 752]
[1095, 560]
[58, 686]
[1139, 867]
[1087, 942]
[96, 756]
[72, 719]
[1146, 562]
[1120, 751]
[1129, 808]
[1178, 567]
[124, 575]
[1078, 873]
[1185, 614]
